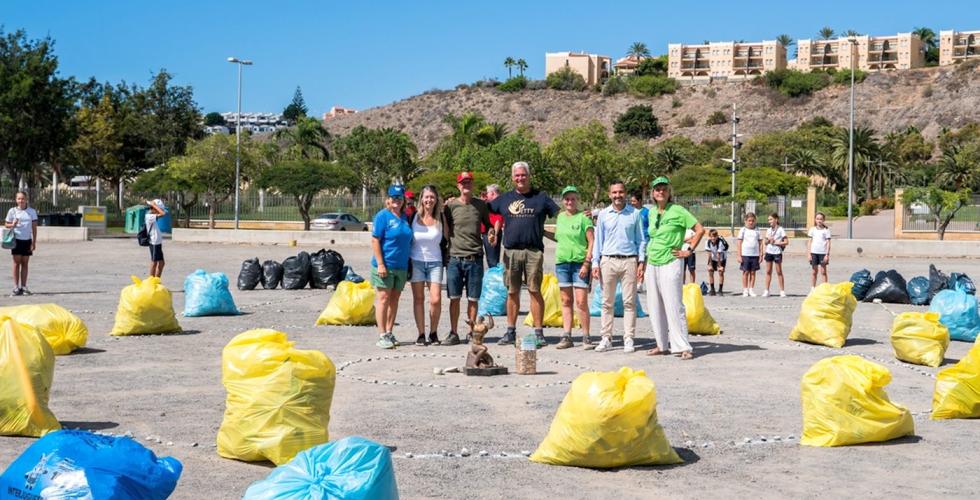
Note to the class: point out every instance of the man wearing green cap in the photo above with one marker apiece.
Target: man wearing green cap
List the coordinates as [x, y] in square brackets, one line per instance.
[573, 260]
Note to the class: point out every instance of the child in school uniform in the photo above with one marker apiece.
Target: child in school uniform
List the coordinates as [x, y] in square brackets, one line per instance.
[717, 249]
[776, 241]
[691, 261]
[747, 251]
[819, 236]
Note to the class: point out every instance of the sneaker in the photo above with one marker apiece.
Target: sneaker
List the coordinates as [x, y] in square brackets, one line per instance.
[745, 292]
[17, 291]
[420, 341]
[25, 291]
[587, 343]
[711, 292]
[628, 345]
[434, 339]
[565, 342]
[765, 293]
[451, 339]
[752, 292]
[387, 341]
[542, 342]
[604, 345]
[782, 293]
[507, 339]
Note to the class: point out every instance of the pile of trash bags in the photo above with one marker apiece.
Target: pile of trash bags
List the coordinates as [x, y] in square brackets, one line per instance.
[493, 297]
[64, 331]
[595, 305]
[825, 316]
[958, 311]
[26, 373]
[323, 269]
[607, 419]
[78, 464]
[206, 294]
[552, 304]
[891, 287]
[957, 392]
[920, 338]
[845, 403]
[352, 468]
[278, 398]
[145, 307]
[351, 304]
[699, 320]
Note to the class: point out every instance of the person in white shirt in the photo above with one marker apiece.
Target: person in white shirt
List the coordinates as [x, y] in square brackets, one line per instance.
[428, 261]
[819, 249]
[22, 220]
[747, 252]
[157, 211]
[776, 241]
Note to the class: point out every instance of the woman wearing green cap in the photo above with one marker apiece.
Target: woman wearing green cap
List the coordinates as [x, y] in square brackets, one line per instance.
[573, 260]
[665, 270]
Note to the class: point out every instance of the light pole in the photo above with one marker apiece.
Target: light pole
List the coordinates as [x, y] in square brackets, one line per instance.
[238, 134]
[734, 161]
[850, 150]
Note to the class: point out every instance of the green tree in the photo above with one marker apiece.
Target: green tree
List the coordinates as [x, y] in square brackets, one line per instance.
[638, 163]
[214, 119]
[162, 180]
[930, 44]
[565, 78]
[208, 168]
[376, 157]
[584, 156]
[637, 121]
[701, 180]
[960, 166]
[296, 109]
[866, 152]
[509, 63]
[614, 85]
[943, 205]
[717, 118]
[785, 40]
[167, 115]
[850, 33]
[652, 86]
[638, 51]
[652, 66]
[826, 33]
[304, 179]
[307, 139]
[98, 144]
[521, 66]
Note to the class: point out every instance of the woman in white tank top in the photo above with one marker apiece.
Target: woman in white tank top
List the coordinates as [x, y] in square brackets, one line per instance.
[427, 259]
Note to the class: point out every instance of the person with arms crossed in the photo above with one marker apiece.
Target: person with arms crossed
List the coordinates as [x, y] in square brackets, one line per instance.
[776, 241]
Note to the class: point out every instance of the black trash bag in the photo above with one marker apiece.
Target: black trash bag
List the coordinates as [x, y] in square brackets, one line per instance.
[271, 274]
[960, 281]
[937, 281]
[350, 275]
[918, 289]
[250, 275]
[296, 271]
[326, 269]
[890, 287]
[862, 283]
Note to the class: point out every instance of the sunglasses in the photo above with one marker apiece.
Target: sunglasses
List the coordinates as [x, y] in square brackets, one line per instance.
[656, 223]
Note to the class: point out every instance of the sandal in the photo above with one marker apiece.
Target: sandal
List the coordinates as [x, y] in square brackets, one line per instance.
[656, 351]
[687, 355]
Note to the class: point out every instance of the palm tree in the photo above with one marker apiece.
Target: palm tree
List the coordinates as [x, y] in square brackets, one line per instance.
[521, 66]
[954, 171]
[638, 51]
[809, 163]
[866, 150]
[669, 159]
[509, 63]
[850, 33]
[490, 133]
[785, 40]
[307, 139]
[826, 32]
[927, 36]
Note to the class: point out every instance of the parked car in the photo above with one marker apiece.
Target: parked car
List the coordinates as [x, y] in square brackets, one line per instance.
[337, 221]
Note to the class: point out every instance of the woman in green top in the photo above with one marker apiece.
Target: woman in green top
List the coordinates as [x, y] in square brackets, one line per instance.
[665, 270]
[573, 259]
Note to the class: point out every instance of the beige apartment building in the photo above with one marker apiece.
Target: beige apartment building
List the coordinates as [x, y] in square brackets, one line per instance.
[867, 53]
[724, 60]
[594, 68]
[956, 46]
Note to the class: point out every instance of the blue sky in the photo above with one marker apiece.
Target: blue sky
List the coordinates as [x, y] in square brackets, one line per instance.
[365, 54]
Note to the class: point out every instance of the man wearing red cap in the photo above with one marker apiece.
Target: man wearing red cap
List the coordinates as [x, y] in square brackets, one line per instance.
[410, 208]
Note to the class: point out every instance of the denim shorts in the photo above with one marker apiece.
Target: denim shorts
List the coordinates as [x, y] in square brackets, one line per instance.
[426, 272]
[567, 274]
[464, 273]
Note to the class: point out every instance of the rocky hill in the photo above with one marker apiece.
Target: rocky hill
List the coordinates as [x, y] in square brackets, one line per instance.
[927, 98]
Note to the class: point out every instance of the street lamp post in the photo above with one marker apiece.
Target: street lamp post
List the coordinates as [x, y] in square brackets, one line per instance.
[734, 161]
[850, 151]
[238, 134]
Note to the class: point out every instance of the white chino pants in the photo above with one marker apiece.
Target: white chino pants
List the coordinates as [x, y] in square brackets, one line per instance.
[665, 305]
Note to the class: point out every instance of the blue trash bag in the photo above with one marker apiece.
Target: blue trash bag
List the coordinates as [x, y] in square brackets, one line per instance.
[352, 468]
[960, 281]
[350, 275]
[958, 311]
[493, 297]
[595, 305]
[206, 294]
[79, 464]
[918, 288]
[862, 283]
[704, 288]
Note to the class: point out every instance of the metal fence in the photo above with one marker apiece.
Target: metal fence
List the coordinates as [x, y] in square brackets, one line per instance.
[716, 211]
[918, 217]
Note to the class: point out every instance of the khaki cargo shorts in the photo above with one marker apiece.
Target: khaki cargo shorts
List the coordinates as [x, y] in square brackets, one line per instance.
[523, 267]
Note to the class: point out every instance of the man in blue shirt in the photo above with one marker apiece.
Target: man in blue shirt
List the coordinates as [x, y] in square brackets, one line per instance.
[618, 258]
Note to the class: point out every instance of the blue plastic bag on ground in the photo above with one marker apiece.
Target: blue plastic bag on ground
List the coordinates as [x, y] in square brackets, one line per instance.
[918, 289]
[350, 275]
[595, 305]
[352, 468]
[960, 281]
[206, 294]
[958, 311]
[493, 297]
[862, 283]
[82, 465]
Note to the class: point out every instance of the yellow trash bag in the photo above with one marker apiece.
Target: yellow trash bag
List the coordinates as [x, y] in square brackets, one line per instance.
[552, 304]
[825, 317]
[62, 329]
[26, 371]
[920, 338]
[278, 398]
[607, 419]
[699, 320]
[957, 393]
[844, 402]
[145, 307]
[351, 304]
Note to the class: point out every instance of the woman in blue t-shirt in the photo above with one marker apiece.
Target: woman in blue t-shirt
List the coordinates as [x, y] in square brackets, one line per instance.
[392, 246]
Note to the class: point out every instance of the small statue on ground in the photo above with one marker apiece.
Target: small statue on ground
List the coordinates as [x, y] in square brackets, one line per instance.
[479, 356]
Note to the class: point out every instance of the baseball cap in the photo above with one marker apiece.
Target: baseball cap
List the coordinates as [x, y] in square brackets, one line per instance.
[569, 189]
[159, 203]
[660, 180]
[464, 176]
[396, 191]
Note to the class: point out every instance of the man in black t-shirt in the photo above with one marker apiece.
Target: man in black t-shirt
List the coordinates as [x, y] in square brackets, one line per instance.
[524, 211]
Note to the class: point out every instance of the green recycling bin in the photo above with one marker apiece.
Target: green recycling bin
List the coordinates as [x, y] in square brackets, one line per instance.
[135, 216]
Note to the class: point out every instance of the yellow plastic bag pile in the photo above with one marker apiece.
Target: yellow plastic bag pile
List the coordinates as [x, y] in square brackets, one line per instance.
[145, 307]
[552, 304]
[351, 304]
[825, 317]
[64, 331]
[699, 320]
[920, 338]
[278, 398]
[26, 372]
[844, 402]
[607, 419]
[957, 393]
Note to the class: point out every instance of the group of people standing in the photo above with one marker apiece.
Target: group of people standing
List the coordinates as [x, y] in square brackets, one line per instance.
[625, 246]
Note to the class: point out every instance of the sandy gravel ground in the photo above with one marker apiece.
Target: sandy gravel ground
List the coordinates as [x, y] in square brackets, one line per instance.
[744, 385]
